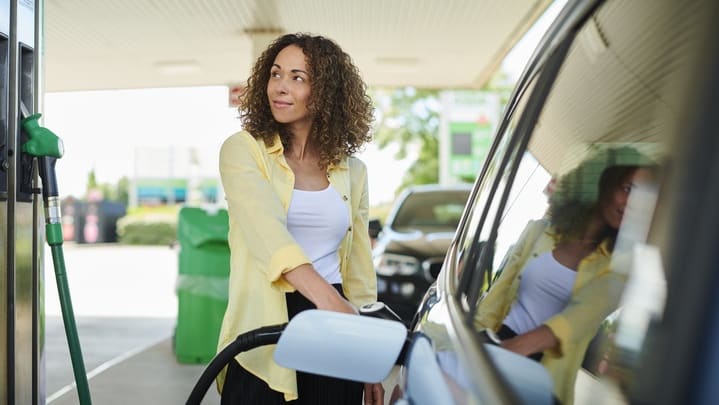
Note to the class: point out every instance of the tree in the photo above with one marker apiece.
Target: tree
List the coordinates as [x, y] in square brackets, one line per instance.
[409, 118]
[91, 180]
[119, 192]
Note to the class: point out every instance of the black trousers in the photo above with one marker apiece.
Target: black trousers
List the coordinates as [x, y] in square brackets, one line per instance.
[243, 387]
[505, 332]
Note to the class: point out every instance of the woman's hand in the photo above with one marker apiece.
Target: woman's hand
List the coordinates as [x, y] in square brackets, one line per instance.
[373, 394]
[534, 341]
[313, 287]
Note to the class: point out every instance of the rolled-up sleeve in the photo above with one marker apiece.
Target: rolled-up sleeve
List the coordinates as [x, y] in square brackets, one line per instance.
[587, 309]
[256, 211]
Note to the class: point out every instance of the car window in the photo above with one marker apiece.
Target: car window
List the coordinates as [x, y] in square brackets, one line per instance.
[478, 213]
[431, 211]
[527, 201]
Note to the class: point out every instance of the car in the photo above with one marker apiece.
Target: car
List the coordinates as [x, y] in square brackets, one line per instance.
[611, 73]
[410, 247]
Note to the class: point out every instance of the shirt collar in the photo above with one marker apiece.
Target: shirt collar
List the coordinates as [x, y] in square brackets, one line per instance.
[278, 149]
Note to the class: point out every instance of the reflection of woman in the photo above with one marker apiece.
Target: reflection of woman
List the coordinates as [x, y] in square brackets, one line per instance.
[298, 206]
[556, 286]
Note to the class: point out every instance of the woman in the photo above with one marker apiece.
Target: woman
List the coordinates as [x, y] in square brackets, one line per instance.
[557, 287]
[298, 205]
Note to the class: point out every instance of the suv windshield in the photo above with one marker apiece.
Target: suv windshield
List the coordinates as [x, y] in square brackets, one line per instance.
[431, 211]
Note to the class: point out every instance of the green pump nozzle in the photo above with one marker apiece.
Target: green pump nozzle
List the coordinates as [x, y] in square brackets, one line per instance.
[42, 143]
[48, 147]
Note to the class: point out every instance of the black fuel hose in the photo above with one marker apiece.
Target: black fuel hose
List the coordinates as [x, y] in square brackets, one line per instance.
[266, 335]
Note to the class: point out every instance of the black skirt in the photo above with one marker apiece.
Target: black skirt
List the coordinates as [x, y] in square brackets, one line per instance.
[243, 387]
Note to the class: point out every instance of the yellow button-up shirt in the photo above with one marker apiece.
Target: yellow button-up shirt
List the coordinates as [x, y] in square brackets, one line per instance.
[595, 295]
[258, 185]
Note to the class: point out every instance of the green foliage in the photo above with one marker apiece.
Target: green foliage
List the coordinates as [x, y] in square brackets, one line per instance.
[119, 192]
[155, 210]
[148, 226]
[122, 191]
[91, 180]
[409, 118]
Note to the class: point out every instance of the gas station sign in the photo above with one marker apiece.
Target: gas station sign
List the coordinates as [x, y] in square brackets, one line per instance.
[468, 122]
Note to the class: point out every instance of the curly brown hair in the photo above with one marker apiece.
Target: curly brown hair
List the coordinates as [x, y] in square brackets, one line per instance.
[341, 109]
[581, 191]
[570, 216]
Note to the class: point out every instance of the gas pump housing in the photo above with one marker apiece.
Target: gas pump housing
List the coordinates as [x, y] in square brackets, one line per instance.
[21, 224]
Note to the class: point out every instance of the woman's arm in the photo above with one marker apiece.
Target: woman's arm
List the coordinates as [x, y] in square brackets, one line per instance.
[256, 211]
[313, 287]
[587, 308]
[534, 341]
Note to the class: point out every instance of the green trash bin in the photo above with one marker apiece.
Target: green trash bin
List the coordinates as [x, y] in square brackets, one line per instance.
[204, 268]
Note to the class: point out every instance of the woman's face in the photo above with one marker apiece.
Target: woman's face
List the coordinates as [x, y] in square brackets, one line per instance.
[288, 88]
[612, 208]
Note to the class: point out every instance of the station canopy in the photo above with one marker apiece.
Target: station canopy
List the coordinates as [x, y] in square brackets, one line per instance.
[110, 44]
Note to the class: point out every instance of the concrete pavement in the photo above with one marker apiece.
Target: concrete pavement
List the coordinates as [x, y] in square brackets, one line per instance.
[125, 308]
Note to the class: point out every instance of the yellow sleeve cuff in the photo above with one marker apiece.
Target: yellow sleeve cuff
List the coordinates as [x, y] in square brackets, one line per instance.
[561, 328]
[282, 261]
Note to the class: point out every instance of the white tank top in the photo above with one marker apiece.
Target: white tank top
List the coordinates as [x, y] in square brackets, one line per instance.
[544, 291]
[318, 220]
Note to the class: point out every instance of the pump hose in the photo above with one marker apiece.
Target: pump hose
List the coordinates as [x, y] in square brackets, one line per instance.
[266, 335]
[73, 341]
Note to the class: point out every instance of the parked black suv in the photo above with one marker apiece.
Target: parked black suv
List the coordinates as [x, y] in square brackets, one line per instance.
[411, 246]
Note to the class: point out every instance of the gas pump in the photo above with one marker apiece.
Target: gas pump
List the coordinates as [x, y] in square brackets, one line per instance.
[21, 225]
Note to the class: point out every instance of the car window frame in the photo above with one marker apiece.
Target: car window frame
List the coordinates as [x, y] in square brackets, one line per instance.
[522, 136]
[546, 64]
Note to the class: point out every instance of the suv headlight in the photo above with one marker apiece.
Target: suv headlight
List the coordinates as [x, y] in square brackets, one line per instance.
[388, 264]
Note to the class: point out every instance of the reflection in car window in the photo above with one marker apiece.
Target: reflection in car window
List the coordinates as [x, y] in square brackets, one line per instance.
[557, 278]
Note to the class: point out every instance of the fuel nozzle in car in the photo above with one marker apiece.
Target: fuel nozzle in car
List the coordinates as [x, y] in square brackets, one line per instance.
[47, 148]
[379, 310]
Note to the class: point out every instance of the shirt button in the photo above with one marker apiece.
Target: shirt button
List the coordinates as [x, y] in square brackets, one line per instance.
[344, 197]
[349, 229]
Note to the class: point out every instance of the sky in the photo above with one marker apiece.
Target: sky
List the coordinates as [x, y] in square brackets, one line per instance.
[104, 130]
